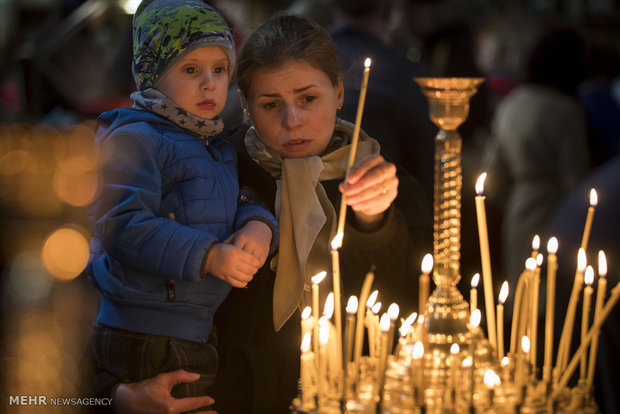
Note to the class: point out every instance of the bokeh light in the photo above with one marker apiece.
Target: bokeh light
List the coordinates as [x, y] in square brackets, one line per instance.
[27, 279]
[65, 253]
[76, 181]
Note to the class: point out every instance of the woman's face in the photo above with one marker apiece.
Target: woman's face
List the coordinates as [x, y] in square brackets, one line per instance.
[293, 108]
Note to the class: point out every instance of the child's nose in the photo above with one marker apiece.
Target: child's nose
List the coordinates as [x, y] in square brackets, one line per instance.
[208, 82]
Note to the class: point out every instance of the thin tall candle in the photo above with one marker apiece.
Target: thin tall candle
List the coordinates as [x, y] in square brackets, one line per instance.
[354, 139]
[316, 279]
[337, 241]
[503, 294]
[485, 255]
[384, 326]
[307, 373]
[600, 298]
[552, 267]
[307, 321]
[534, 321]
[359, 323]
[585, 316]
[322, 376]
[589, 218]
[427, 266]
[393, 311]
[473, 292]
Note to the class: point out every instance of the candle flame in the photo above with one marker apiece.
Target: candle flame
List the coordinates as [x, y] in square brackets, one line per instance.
[384, 322]
[480, 183]
[503, 293]
[352, 305]
[589, 277]
[393, 311]
[372, 298]
[491, 379]
[305, 342]
[323, 332]
[404, 328]
[427, 263]
[536, 242]
[411, 318]
[602, 264]
[475, 318]
[418, 350]
[318, 278]
[376, 308]
[454, 349]
[305, 314]
[475, 279]
[525, 344]
[505, 361]
[582, 260]
[593, 198]
[530, 264]
[328, 310]
[367, 63]
[467, 362]
[539, 260]
[337, 241]
[552, 245]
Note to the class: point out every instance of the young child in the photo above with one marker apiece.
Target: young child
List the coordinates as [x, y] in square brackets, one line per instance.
[171, 235]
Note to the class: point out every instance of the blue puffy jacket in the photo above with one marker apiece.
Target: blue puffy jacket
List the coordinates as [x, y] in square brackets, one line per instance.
[166, 198]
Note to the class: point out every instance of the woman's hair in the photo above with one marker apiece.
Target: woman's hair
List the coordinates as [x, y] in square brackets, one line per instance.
[281, 39]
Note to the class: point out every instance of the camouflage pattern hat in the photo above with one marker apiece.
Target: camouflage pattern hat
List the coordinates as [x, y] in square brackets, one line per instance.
[166, 30]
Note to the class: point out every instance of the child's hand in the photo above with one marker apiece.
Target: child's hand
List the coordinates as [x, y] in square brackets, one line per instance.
[254, 238]
[231, 264]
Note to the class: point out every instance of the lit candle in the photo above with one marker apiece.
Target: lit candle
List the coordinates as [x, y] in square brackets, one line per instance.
[505, 364]
[521, 373]
[374, 324]
[600, 298]
[418, 367]
[336, 242]
[534, 321]
[427, 266]
[521, 313]
[348, 340]
[359, 323]
[569, 320]
[491, 380]
[384, 326]
[316, 279]
[585, 317]
[322, 377]
[552, 267]
[473, 293]
[589, 218]
[369, 322]
[485, 255]
[354, 139]
[307, 374]
[474, 322]
[468, 379]
[334, 363]
[503, 294]
[307, 321]
[393, 311]
[403, 331]
[454, 364]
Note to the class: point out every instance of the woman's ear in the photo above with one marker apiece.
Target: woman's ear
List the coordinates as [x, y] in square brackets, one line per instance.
[340, 89]
[244, 106]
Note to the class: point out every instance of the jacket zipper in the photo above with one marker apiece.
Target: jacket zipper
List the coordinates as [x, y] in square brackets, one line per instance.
[210, 149]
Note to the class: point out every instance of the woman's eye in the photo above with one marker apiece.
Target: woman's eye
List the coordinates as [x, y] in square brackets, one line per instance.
[270, 105]
[309, 99]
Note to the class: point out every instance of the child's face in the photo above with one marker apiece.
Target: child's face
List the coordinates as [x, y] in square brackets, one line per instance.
[198, 82]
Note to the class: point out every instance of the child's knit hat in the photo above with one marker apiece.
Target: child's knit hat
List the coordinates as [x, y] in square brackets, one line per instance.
[165, 30]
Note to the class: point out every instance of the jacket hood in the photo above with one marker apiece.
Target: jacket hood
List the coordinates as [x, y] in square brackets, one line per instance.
[112, 120]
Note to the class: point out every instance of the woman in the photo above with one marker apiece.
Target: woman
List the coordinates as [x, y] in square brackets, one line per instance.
[291, 90]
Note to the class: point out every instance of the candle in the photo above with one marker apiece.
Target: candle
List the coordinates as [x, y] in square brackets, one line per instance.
[384, 325]
[503, 294]
[589, 218]
[491, 380]
[393, 311]
[535, 246]
[569, 320]
[336, 242]
[473, 293]
[468, 366]
[418, 367]
[354, 139]
[521, 313]
[521, 373]
[485, 259]
[600, 298]
[307, 373]
[427, 266]
[307, 321]
[348, 341]
[534, 320]
[403, 331]
[505, 364]
[369, 322]
[474, 323]
[322, 377]
[316, 279]
[585, 317]
[454, 350]
[374, 332]
[552, 267]
[359, 323]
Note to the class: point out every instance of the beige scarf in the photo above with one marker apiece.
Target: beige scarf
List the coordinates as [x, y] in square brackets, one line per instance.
[306, 217]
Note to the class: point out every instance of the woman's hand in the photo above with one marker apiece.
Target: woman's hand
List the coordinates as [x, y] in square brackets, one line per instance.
[153, 395]
[371, 188]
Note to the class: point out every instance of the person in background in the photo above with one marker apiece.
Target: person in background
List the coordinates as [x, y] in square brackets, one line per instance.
[291, 89]
[173, 230]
